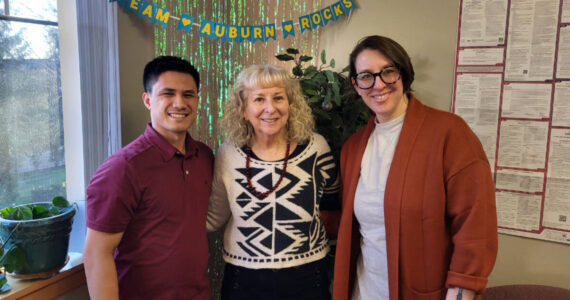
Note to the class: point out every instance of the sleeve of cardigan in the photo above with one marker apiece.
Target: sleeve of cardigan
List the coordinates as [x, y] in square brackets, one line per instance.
[471, 209]
[218, 207]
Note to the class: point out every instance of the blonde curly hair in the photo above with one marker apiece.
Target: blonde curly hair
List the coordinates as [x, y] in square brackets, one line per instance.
[300, 124]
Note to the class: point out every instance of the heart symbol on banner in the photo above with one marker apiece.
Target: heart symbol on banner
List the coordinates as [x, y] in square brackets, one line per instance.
[288, 27]
[185, 22]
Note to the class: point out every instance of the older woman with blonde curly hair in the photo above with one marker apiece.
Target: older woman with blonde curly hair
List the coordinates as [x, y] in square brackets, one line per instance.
[272, 178]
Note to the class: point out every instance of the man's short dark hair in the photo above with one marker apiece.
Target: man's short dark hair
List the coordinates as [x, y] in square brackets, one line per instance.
[162, 64]
[392, 50]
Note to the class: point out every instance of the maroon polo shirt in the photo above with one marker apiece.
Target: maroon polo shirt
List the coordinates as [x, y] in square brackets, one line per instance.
[158, 198]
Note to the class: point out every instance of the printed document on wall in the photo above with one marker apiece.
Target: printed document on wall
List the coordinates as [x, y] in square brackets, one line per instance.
[533, 25]
[483, 23]
[522, 144]
[477, 102]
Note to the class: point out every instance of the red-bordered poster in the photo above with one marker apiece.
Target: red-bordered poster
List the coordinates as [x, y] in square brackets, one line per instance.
[512, 86]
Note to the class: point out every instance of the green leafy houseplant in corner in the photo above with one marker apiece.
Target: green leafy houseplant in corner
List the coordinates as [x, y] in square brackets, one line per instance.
[34, 239]
[337, 109]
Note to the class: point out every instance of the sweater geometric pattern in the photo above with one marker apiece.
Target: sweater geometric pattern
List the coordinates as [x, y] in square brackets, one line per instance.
[285, 228]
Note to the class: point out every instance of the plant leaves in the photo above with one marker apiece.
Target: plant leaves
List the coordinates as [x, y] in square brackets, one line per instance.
[332, 64]
[298, 71]
[56, 211]
[284, 57]
[4, 287]
[309, 85]
[323, 57]
[7, 212]
[304, 58]
[15, 258]
[59, 201]
[328, 98]
[40, 212]
[319, 113]
[320, 79]
[23, 213]
[292, 51]
[310, 72]
[330, 75]
[336, 93]
[314, 99]
[311, 92]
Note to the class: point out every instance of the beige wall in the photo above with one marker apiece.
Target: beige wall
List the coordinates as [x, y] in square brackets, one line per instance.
[428, 30]
[136, 48]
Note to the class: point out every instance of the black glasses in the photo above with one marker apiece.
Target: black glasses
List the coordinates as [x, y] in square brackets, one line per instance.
[388, 75]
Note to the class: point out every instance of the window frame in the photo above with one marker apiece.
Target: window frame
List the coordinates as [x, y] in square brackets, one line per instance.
[88, 39]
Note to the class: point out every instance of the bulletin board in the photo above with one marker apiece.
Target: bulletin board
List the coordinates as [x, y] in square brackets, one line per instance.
[512, 86]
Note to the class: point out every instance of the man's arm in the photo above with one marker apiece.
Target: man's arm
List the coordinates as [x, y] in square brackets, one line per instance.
[100, 264]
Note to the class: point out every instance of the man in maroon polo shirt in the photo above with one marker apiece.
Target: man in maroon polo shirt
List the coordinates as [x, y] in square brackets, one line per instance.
[147, 203]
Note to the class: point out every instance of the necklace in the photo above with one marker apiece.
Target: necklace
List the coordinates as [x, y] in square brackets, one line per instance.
[248, 175]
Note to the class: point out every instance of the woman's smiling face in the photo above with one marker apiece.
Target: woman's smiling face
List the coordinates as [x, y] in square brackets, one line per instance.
[267, 109]
[387, 101]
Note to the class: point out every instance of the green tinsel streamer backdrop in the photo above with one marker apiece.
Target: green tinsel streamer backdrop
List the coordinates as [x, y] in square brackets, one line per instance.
[219, 62]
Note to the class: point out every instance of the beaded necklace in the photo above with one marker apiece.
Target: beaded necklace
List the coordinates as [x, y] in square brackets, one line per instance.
[248, 175]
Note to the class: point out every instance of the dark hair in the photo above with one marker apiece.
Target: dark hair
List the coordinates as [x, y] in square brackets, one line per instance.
[162, 64]
[392, 50]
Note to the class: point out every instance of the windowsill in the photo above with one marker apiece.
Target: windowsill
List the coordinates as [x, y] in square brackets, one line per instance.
[70, 277]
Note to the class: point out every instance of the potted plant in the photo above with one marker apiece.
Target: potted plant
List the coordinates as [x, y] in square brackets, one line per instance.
[337, 109]
[34, 239]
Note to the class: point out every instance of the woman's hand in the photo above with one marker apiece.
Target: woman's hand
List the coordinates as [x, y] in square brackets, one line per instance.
[465, 294]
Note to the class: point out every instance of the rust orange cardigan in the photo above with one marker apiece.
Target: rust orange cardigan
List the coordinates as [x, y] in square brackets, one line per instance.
[439, 209]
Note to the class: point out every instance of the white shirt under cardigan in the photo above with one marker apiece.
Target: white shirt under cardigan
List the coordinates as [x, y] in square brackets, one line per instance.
[372, 266]
[285, 229]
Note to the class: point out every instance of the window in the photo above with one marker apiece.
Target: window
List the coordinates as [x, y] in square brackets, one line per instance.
[64, 53]
[32, 156]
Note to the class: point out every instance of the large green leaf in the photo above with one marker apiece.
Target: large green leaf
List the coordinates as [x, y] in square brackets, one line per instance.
[40, 212]
[60, 202]
[284, 57]
[292, 51]
[336, 93]
[15, 258]
[320, 79]
[298, 71]
[7, 212]
[332, 63]
[22, 213]
[304, 58]
[323, 57]
[27, 213]
[311, 92]
[330, 75]
[4, 287]
[309, 85]
[314, 99]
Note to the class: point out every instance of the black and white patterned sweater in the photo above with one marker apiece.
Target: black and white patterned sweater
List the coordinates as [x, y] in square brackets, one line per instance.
[285, 228]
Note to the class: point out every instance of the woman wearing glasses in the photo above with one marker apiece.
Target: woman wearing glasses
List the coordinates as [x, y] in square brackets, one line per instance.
[418, 206]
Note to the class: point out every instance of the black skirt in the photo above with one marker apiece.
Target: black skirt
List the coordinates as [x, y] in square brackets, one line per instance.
[309, 281]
